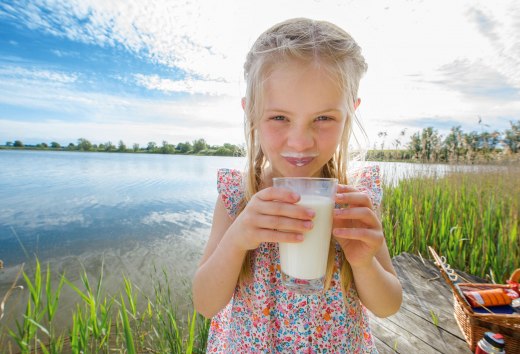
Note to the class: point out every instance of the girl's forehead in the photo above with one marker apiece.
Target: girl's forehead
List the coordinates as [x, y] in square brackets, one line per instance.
[296, 78]
[296, 69]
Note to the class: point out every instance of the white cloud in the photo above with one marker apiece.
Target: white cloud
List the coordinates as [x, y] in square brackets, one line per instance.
[67, 113]
[186, 34]
[21, 73]
[500, 26]
[415, 51]
[207, 87]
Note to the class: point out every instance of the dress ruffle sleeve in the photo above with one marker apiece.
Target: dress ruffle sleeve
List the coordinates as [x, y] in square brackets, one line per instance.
[368, 180]
[229, 187]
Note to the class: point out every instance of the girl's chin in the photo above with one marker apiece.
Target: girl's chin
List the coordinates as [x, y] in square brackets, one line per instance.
[295, 172]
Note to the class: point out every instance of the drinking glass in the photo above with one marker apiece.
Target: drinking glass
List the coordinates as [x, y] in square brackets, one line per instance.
[304, 264]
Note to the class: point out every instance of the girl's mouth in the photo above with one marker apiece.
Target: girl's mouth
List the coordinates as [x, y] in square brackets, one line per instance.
[299, 160]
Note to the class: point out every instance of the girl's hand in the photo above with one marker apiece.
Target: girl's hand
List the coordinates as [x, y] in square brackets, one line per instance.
[271, 216]
[356, 226]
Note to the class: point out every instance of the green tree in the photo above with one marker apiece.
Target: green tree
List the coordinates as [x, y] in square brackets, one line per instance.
[9, 143]
[512, 137]
[429, 143]
[415, 145]
[121, 147]
[109, 146]
[135, 147]
[453, 144]
[18, 143]
[471, 143]
[223, 151]
[235, 149]
[184, 148]
[151, 147]
[55, 145]
[84, 145]
[488, 143]
[199, 145]
[167, 148]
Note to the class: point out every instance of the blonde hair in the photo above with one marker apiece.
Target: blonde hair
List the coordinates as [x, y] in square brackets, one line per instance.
[314, 42]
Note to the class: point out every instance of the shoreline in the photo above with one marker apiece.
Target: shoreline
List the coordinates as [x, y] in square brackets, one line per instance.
[480, 160]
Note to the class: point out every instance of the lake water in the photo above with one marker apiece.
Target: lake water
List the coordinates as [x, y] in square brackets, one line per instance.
[131, 212]
[68, 203]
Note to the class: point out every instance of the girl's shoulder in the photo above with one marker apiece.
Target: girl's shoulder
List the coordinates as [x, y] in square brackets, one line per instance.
[230, 188]
[368, 180]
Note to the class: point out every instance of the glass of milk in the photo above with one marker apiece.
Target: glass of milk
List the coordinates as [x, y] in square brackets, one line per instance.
[304, 264]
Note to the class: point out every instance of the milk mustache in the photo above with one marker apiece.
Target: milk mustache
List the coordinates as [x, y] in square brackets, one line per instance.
[308, 259]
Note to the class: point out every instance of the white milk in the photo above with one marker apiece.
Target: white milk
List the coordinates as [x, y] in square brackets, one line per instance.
[308, 259]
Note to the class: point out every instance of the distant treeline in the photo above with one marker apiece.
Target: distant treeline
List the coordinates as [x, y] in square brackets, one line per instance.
[423, 146]
[457, 147]
[196, 147]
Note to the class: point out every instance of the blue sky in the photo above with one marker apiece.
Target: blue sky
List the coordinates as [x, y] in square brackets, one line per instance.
[142, 71]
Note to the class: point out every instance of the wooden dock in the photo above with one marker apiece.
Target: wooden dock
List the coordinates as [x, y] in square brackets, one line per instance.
[425, 323]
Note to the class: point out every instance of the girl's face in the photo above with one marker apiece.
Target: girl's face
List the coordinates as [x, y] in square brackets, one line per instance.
[303, 119]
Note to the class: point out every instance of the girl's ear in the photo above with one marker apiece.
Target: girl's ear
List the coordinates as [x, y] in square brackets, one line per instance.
[357, 103]
[243, 103]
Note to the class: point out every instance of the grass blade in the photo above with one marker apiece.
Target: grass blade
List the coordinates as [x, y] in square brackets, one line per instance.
[129, 340]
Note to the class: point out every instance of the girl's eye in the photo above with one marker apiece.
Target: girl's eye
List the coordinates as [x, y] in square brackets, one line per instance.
[280, 118]
[323, 118]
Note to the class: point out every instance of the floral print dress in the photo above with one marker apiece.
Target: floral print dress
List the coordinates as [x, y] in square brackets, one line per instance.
[264, 317]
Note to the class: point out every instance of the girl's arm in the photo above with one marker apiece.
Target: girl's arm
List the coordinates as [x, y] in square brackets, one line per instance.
[377, 285]
[219, 276]
[359, 232]
[269, 210]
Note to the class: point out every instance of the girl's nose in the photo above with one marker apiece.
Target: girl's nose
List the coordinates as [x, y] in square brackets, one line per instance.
[300, 139]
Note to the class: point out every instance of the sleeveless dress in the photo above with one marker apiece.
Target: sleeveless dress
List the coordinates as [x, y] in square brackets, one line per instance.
[264, 317]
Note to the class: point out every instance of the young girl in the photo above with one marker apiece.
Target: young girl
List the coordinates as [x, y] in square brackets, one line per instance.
[302, 81]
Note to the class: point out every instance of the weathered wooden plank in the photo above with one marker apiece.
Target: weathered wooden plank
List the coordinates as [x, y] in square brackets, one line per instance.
[424, 291]
[413, 329]
[409, 325]
[397, 338]
[382, 347]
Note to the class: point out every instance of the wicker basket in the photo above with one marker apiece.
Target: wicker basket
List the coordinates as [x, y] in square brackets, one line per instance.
[474, 325]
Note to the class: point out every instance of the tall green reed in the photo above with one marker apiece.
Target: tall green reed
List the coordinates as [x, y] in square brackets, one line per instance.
[36, 330]
[129, 321]
[471, 218]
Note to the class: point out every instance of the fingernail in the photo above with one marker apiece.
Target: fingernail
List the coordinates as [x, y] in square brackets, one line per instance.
[311, 213]
[339, 232]
[308, 224]
[299, 237]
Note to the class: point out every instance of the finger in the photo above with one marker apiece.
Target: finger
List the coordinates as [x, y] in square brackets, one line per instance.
[277, 222]
[346, 188]
[287, 210]
[278, 194]
[363, 214]
[281, 201]
[372, 238]
[268, 235]
[354, 198]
